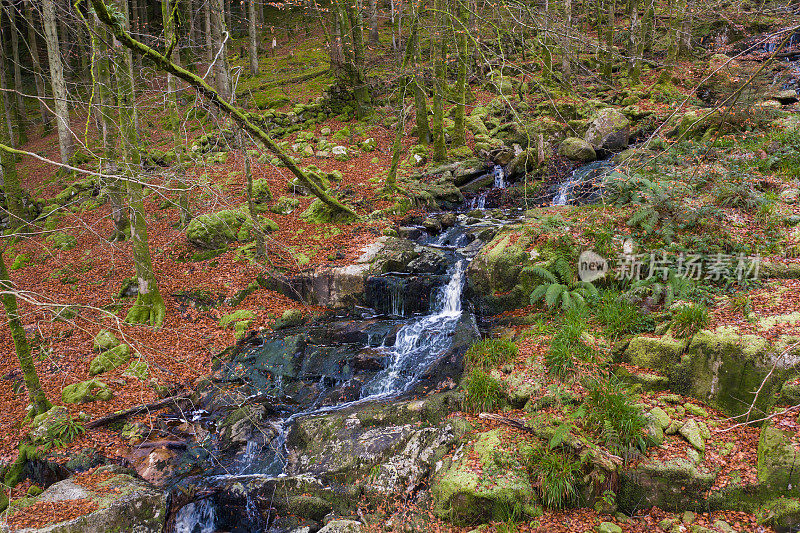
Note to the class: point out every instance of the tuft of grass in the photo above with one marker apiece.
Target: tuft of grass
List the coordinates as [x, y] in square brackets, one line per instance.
[612, 412]
[483, 392]
[490, 353]
[557, 476]
[566, 344]
[618, 316]
[689, 319]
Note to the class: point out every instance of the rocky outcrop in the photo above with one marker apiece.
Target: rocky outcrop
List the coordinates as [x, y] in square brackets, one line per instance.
[609, 130]
[114, 501]
[674, 485]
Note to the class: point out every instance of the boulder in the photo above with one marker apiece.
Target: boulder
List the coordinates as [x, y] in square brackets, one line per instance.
[48, 425]
[778, 462]
[691, 432]
[724, 369]
[213, 231]
[468, 494]
[654, 353]
[284, 205]
[674, 485]
[110, 359]
[289, 319]
[789, 96]
[104, 340]
[117, 501]
[341, 526]
[86, 391]
[577, 150]
[609, 130]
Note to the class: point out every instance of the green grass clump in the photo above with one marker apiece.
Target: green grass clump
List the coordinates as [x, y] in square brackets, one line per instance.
[483, 392]
[557, 476]
[689, 319]
[612, 412]
[618, 316]
[737, 194]
[490, 353]
[567, 344]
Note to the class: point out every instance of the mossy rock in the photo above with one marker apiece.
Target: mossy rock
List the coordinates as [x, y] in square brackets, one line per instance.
[655, 354]
[261, 191]
[284, 205]
[783, 514]
[466, 497]
[778, 462]
[312, 507]
[46, 425]
[110, 359]
[62, 241]
[215, 230]
[577, 150]
[236, 316]
[138, 369]
[289, 319]
[104, 340]
[321, 213]
[674, 485]
[86, 391]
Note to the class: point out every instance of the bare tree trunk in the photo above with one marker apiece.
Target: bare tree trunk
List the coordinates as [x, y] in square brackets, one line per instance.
[33, 44]
[685, 41]
[21, 113]
[357, 76]
[57, 81]
[219, 35]
[207, 26]
[566, 44]
[228, 23]
[252, 36]
[108, 127]
[172, 111]
[258, 232]
[420, 99]
[21, 346]
[608, 30]
[373, 22]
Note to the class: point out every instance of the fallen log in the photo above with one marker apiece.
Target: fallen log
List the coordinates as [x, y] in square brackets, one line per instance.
[104, 420]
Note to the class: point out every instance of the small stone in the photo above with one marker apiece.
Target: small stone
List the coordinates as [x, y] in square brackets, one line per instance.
[691, 432]
[667, 523]
[670, 398]
[105, 340]
[687, 517]
[673, 428]
[660, 417]
[723, 526]
[609, 527]
[695, 410]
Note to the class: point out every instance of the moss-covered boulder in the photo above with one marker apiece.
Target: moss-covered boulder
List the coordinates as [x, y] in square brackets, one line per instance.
[609, 130]
[49, 425]
[110, 359]
[213, 231]
[654, 353]
[86, 391]
[290, 318]
[577, 150]
[261, 191]
[778, 462]
[240, 320]
[104, 340]
[321, 213]
[674, 485]
[284, 205]
[468, 494]
[116, 501]
[724, 369]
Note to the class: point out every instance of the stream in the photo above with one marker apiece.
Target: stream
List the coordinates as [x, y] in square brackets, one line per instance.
[395, 348]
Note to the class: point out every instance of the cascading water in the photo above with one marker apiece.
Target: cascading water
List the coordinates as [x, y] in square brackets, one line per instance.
[583, 185]
[419, 343]
[414, 347]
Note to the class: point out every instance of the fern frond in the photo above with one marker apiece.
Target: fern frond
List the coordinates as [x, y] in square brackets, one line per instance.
[538, 293]
[543, 273]
[553, 293]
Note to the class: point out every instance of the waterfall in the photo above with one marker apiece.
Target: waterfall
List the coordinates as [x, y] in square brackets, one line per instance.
[564, 190]
[499, 177]
[421, 341]
[197, 517]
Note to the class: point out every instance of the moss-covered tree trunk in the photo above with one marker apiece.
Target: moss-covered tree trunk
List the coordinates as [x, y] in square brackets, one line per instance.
[149, 307]
[258, 232]
[358, 76]
[33, 46]
[214, 98]
[460, 27]
[636, 46]
[608, 32]
[108, 127]
[677, 9]
[11, 184]
[439, 52]
[252, 36]
[35, 392]
[6, 97]
[648, 25]
[391, 177]
[57, 80]
[373, 22]
[420, 102]
[21, 113]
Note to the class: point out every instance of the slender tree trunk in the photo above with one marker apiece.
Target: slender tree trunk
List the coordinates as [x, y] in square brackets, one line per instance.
[228, 17]
[149, 307]
[33, 44]
[252, 36]
[566, 44]
[648, 25]
[373, 22]
[391, 177]
[439, 52]
[420, 100]
[57, 80]
[608, 30]
[172, 112]
[460, 26]
[108, 127]
[8, 102]
[218, 36]
[258, 232]
[678, 12]
[21, 112]
[23, 349]
[207, 27]
[358, 79]
[685, 41]
[8, 163]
